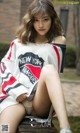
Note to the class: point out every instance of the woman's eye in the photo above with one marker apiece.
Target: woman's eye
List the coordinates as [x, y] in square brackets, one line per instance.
[46, 19]
[36, 20]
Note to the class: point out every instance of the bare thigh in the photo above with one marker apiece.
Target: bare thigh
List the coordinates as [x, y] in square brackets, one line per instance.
[41, 101]
[12, 116]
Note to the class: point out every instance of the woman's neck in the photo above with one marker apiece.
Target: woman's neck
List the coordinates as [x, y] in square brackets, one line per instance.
[41, 39]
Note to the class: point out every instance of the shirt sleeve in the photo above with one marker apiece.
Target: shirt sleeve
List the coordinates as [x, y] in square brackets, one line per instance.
[9, 73]
[59, 50]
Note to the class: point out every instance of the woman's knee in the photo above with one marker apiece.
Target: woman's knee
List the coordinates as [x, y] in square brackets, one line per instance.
[48, 70]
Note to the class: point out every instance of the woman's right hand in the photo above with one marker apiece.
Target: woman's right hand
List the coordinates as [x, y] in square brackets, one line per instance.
[21, 97]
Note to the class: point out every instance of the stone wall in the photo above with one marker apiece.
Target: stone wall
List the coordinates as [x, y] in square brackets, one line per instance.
[9, 19]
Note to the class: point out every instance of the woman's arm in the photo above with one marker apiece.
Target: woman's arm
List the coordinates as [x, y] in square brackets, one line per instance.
[9, 73]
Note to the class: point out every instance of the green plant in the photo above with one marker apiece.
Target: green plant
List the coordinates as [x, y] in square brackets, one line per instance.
[3, 49]
[70, 57]
[74, 123]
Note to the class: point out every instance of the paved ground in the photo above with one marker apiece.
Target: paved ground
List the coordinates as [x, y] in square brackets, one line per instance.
[72, 97]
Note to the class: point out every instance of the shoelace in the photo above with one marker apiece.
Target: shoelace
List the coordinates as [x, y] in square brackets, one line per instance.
[65, 130]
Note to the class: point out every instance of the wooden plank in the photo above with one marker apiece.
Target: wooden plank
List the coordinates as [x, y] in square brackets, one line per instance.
[29, 129]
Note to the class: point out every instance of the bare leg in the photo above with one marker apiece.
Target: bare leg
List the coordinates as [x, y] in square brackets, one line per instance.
[50, 87]
[12, 116]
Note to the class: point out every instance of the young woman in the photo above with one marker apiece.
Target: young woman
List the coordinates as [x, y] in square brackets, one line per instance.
[29, 70]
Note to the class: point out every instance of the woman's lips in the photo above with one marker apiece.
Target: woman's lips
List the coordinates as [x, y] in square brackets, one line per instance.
[41, 29]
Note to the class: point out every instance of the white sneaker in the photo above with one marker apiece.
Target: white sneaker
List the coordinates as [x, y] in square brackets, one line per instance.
[65, 130]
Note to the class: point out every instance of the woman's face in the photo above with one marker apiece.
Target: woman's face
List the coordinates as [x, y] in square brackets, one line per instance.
[42, 23]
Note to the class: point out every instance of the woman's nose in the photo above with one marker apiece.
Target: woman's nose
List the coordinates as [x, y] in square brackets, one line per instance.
[41, 24]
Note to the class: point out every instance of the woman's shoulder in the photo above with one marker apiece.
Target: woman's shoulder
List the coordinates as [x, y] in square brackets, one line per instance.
[60, 40]
[16, 41]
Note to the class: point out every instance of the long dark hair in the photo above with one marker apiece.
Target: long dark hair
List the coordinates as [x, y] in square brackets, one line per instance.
[26, 31]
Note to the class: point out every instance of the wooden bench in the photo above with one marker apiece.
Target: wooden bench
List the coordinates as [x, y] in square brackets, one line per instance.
[31, 124]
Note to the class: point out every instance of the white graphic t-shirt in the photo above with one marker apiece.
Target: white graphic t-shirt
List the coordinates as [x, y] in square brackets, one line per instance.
[20, 68]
